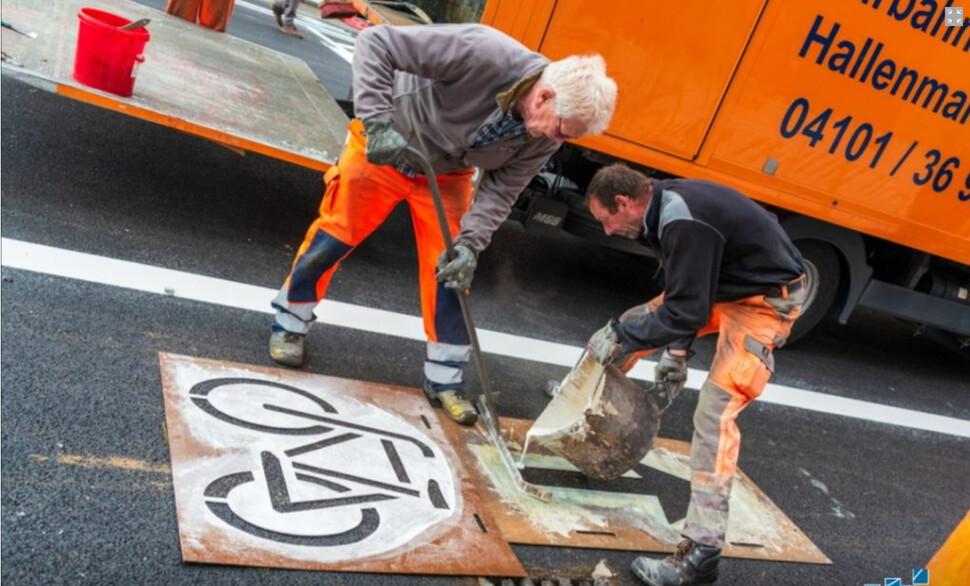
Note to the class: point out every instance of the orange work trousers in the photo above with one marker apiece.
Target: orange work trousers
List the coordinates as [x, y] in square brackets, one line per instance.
[748, 332]
[213, 14]
[359, 196]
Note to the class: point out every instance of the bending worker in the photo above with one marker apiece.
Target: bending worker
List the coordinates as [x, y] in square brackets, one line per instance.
[466, 96]
[731, 270]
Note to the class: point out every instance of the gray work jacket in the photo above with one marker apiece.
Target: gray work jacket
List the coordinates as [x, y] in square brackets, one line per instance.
[440, 84]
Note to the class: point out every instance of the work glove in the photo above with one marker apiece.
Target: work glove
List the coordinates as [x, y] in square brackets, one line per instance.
[385, 146]
[604, 345]
[635, 312]
[670, 374]
[458, 272]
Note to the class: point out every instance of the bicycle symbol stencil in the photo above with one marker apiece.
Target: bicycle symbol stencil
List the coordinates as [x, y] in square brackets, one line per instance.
[337, 477]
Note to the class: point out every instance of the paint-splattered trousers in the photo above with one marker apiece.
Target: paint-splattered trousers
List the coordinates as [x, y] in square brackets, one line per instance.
[213, 14]
[748, 331]
[358, 198]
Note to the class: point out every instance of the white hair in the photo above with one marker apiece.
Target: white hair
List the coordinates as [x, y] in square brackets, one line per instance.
[582, 90]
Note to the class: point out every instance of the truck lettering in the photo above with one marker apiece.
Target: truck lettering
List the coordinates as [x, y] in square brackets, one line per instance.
[936, 169]
[548, 219]
[844, 55]
[931, 12]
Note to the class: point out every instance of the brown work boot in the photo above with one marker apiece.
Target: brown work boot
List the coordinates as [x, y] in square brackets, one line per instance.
[286, 348]
[278, 13]
[291, 30]
[456, 406]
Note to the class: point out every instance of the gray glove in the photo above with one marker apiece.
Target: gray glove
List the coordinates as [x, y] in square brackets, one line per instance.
[604, 345]
[385, 145]
[635, 312]
[458, 272]
[670, 375]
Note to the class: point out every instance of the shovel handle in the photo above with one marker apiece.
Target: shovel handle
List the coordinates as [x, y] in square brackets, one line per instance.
[425, 164]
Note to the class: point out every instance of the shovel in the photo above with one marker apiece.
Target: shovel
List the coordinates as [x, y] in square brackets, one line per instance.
[486, 401]
[140, 23]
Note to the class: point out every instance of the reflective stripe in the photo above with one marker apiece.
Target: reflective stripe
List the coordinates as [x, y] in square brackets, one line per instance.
[445, 365]
[439, 352]
[292, 317]
[443, 375]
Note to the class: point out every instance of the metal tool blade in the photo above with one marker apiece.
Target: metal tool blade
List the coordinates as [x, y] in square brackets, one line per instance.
[486, 402]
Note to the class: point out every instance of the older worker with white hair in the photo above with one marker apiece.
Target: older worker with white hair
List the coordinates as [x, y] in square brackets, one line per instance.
[467, 96]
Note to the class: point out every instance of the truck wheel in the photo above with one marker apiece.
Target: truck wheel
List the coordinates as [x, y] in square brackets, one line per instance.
[823, 272]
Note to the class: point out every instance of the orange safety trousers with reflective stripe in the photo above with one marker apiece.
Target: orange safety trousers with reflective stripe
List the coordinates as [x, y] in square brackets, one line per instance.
[359, 196]
[213, 14]
[748, 331]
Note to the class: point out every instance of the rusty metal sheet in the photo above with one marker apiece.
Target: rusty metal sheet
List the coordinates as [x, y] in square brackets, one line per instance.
[758, 529]
[288, 469]
[193, 79]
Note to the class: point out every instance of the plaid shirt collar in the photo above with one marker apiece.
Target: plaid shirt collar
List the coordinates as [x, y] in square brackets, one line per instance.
[505, 127]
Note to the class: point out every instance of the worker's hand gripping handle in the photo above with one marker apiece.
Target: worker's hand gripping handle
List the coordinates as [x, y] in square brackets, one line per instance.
[425, 165]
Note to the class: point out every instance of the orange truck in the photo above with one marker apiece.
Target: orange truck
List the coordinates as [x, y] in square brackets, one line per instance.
[850, 119]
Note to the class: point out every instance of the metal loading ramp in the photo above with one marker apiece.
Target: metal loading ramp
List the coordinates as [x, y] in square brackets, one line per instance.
[194, 79]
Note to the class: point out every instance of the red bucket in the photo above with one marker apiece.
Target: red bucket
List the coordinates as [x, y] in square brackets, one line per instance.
[107, 57]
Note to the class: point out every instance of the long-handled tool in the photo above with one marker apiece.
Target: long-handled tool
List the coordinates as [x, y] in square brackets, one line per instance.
[486, 402]
[30, 34]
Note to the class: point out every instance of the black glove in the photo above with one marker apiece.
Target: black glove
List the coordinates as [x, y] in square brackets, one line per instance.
[385, 145]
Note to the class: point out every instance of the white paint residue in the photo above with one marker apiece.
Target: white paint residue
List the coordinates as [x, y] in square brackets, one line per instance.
[555, 517]
[320, 490]
[566, 413]
[838, 509]
[602, 571]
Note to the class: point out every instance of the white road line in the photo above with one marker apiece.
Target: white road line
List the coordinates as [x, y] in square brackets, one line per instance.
[338, 40]
[107, 271]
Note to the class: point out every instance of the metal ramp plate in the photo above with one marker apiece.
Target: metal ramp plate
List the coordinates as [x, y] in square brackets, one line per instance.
[287, 469]
[193, 79]
[758, 529]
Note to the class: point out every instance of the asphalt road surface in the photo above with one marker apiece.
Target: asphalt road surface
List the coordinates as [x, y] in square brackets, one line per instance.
[87, 496]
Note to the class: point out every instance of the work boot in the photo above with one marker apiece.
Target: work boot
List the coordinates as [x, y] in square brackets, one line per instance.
[692, 564]
[291, 30]
[456, 406]
[278, 13]
[286, 348]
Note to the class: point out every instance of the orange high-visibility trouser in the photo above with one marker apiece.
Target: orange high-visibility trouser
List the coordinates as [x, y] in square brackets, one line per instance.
[213, 14]
[358, 198]
[748, 331]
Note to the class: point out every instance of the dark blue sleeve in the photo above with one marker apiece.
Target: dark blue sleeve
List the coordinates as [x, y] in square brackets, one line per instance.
[692, 254]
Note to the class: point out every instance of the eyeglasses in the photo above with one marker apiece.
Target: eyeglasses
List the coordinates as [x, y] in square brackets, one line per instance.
[559, 135]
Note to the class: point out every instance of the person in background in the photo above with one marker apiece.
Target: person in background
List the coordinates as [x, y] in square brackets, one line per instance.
[285, 13]
[213, 14]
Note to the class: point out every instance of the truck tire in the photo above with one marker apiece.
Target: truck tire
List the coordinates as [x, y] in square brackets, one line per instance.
[824, 274]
